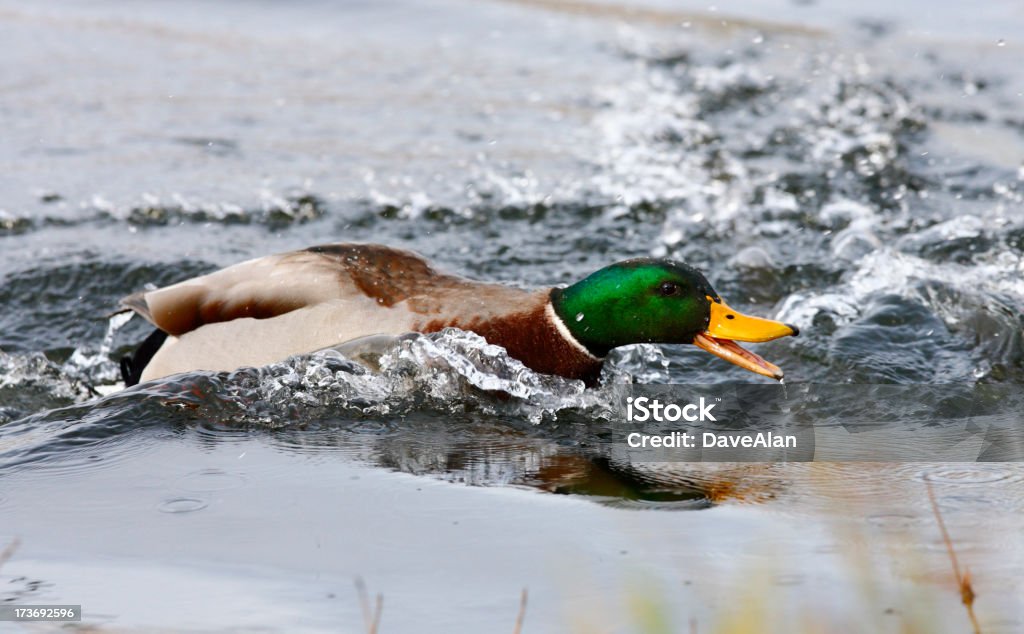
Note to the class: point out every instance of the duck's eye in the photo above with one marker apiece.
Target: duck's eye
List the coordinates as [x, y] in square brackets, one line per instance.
[668, 289]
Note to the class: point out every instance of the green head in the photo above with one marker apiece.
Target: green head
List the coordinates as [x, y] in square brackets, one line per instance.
[651, 300]
[636, 301]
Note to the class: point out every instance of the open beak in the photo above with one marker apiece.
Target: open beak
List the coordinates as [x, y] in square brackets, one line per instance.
[728, 326]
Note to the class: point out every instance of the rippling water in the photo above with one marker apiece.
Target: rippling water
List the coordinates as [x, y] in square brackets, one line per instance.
[858, 174]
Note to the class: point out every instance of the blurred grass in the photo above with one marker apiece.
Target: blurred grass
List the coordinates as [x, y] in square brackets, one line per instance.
[757, 607]
[8, 551]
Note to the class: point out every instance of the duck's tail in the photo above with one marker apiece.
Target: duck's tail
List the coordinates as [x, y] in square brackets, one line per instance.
[133, 364]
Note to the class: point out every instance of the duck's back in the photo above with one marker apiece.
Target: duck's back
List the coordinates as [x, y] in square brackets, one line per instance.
[265, 310]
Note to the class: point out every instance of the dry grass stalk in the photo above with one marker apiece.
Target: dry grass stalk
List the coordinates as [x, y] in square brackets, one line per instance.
[963, 580]
[7, 552]
[522, 613]
[370, 617]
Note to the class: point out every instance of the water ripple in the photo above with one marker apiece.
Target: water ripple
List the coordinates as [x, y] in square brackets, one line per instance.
[970, 475]
[182, 505]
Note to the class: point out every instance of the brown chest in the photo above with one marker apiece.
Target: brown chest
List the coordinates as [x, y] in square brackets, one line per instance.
[531, 337]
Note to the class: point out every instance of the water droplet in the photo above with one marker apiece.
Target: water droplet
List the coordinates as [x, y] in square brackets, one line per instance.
[758, 39]
[1001, 42]
[579, 316]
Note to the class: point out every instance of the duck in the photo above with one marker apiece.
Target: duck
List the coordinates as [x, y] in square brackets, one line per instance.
[265, 310]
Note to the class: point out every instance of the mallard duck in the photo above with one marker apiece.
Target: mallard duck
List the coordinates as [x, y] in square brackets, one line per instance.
[265, 310]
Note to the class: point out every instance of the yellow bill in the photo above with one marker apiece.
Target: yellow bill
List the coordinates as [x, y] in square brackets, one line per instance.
[728, 326]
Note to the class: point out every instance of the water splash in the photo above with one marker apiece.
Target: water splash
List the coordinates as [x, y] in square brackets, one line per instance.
[819, 173]
[273, 209]
[31, 382]
[95, 367]
[452, 371]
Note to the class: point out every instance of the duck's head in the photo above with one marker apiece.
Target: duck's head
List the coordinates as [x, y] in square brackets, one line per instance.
[661, 301]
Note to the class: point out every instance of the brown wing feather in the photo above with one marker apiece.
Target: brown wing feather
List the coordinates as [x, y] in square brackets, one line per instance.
[386, 275]
[278, 284]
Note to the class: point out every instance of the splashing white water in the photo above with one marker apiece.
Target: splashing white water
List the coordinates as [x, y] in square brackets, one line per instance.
[450, 371]
[95, 366]
[888, 271]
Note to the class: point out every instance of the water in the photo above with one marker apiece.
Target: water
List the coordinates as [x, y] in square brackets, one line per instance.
[855, 171]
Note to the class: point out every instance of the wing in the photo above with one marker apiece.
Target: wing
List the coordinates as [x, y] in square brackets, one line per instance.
[278, 284]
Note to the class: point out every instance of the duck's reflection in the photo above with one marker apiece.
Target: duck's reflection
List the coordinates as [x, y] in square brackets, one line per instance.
[492, 454]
